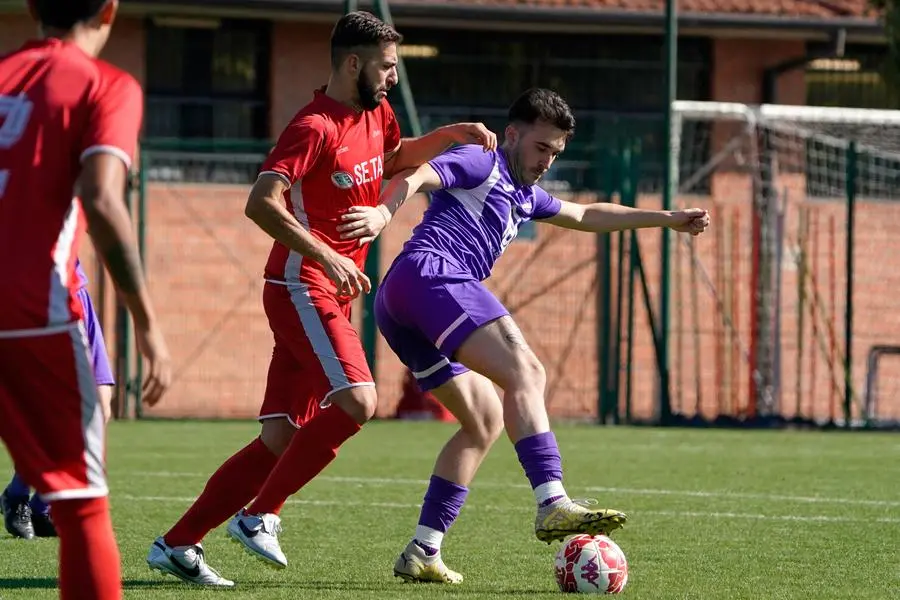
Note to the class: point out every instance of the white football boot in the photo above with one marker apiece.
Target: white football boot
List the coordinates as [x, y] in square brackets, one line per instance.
[258, 534]
[184, 562]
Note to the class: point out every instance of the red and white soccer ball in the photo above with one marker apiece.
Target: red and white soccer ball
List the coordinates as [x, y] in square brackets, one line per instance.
[591, 564]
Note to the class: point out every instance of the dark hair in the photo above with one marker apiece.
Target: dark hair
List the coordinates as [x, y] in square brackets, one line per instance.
[539, 104]
[359, 29]
[65, 14]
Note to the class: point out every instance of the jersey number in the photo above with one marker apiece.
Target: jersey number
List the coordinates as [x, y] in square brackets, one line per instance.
[15, 111]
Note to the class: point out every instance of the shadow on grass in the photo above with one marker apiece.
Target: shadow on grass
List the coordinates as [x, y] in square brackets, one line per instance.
[50, 583]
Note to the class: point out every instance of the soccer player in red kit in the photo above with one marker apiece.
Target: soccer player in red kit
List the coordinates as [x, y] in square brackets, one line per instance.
[331, 157]
[68, 124]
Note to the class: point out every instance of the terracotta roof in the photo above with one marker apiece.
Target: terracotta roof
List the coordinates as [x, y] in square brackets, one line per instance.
[774, 8]
[806, 15]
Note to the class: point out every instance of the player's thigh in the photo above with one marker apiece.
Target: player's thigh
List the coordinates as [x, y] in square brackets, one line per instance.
[315, 329]
[428, 293]
[462, 319]
[52, 420]
[498, 350]
[428, 365]
[473, 400]
[292, 397]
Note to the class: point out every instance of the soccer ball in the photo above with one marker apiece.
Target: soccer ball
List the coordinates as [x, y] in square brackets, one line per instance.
[591, 564]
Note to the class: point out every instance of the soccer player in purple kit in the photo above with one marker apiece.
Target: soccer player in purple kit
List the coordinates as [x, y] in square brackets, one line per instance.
[26, 518]
[458, 339]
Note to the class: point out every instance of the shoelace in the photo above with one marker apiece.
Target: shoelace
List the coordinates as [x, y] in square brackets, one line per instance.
[23, 512]
[201, 560]
[271, 525]
[585, 502]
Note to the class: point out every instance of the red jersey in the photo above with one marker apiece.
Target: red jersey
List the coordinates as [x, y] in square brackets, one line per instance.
[57, 106]
[332, 158]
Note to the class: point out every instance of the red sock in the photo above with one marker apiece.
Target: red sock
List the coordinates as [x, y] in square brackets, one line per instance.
[88, 555]
[312, 448]
[228, 490]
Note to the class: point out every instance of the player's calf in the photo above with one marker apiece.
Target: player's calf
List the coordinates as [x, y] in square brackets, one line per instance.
[311, 449]
[557, 515]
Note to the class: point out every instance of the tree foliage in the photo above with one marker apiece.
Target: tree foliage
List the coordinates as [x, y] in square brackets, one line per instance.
[890, 17]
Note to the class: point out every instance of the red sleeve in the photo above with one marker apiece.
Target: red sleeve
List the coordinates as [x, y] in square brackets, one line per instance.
[391, 129]
[298, 147]
[115, 118]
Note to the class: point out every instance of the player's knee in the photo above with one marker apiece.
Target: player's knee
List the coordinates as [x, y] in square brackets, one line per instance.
[529, 373]
[359, 402]
[484, 424]
[490, 425]
[276, 434]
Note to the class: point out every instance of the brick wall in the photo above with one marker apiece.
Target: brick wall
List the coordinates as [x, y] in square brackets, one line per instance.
[205, 261]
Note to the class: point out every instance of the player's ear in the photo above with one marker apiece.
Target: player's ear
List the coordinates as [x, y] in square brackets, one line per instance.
[108, 12]
[511, 134]
[354, 63]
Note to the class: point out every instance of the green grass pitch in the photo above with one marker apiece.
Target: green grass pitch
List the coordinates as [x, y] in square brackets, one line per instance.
[727, 515]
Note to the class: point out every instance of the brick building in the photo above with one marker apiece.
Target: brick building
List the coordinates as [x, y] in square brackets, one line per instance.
[235, 71]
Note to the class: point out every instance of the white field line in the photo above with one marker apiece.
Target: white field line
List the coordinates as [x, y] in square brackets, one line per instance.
[525, 507]
[376, 481]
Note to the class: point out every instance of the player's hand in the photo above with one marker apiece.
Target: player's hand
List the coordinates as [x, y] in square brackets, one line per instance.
[473, 133]
[364, 223]
[152, 345]
[347, 277]
[691, 220]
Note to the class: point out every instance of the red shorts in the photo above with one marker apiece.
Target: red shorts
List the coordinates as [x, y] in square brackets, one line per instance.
[317, 351]
[51, 419]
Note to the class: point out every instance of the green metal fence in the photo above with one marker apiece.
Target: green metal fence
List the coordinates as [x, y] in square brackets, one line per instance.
[712, 332]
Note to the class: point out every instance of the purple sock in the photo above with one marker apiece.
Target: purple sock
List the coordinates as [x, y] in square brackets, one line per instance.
[38, 506]
[539, 456]
[441, 507]
[17, 488]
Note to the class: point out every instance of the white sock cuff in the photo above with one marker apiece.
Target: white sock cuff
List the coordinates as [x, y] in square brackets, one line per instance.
[428, 536]
[548, 490]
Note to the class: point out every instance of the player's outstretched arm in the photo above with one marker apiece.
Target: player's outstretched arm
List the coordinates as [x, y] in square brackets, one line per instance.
[366, 222]
[413, 152]
[102, 188]
[266, 208]
[604, 217]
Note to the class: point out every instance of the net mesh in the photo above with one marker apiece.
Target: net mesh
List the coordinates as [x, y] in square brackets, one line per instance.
[773, 277]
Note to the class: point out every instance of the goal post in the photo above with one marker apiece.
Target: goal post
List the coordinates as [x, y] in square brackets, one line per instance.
[789, 187]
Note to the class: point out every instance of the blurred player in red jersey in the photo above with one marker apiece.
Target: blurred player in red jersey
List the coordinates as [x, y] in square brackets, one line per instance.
[68, 124]
[330, 158]
[26, 518]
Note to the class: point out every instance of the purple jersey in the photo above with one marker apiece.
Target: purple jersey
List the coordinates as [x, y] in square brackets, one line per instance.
[80, 274]
[102, 369]
[478, 213]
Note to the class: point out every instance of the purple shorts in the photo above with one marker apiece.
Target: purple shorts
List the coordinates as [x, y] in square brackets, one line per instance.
[426, 307]
[100, 360]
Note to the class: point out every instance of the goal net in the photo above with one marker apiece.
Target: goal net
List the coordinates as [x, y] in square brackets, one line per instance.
[761, 300]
